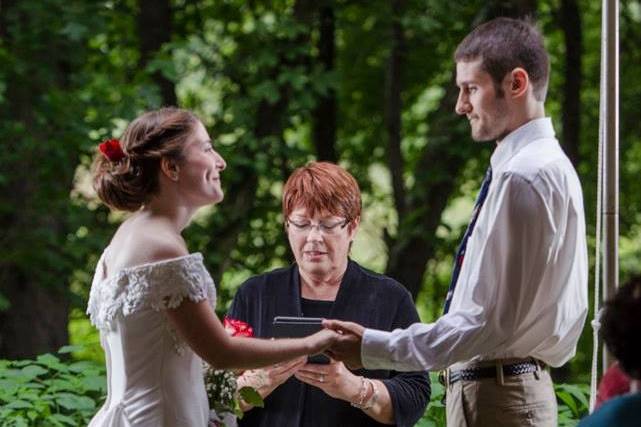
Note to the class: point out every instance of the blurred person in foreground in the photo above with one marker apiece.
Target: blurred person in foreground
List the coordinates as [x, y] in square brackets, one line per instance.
[322, 211]
[151, 299]
[620, 326]
[614, 382]
[517, 300]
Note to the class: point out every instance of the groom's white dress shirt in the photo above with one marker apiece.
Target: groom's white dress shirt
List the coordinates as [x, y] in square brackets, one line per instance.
[522, 289]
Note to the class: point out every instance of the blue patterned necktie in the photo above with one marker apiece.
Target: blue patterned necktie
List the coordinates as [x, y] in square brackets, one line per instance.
[460, 254]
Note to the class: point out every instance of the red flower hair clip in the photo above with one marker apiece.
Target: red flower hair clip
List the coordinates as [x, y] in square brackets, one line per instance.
[111, 150]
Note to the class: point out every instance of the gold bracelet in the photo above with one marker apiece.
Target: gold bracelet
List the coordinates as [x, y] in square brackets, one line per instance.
[362, 393]
[372, 400]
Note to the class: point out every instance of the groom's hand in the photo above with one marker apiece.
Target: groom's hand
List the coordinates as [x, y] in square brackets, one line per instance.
[347, 347]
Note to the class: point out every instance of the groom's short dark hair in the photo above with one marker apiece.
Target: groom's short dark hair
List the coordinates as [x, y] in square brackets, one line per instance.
[504, 44]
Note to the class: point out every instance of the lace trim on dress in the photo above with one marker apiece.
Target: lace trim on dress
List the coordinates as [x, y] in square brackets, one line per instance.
[159, 286]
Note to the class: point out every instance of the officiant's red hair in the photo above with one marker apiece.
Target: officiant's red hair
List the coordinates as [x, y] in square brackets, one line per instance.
[322, 187]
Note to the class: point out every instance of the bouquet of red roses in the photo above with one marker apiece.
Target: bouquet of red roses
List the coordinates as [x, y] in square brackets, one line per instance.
[221, 386]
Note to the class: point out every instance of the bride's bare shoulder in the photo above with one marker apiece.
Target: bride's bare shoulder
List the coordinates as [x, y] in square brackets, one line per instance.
[136, 245]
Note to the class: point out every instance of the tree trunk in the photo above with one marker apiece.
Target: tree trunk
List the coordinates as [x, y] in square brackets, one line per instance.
[570, 21]
[35, 225]
[4, 6]
[154, 29]
[436, 177]
[394, 108]
[324, 115]
[36, 321]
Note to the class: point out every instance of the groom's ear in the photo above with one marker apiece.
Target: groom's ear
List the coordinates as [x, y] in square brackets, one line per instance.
[519, 82]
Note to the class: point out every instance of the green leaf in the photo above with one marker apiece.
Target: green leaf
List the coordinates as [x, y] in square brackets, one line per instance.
[568, 400]
[74, 402]
[56, 423]
[82, 366]
[19, 404]
[8, 387]
[251, 396]
[33, 385]
[63, 419]
[31, 395]
[52, 362]
[71, 348]
[32, 415]
[33, 371]
[58, 384]
[95, 383]
[48, 359]
[20, 421]
[579, 394]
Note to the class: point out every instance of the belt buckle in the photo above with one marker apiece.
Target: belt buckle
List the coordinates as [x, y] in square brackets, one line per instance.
[500, 379]
[537, 371]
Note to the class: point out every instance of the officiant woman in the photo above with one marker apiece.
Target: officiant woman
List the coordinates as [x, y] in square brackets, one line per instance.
[321, 205]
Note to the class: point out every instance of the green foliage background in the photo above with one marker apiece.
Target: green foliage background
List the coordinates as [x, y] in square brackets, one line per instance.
[48, 392]
[73, 73]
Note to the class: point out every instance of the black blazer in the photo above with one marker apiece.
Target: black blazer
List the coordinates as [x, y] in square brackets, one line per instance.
[372, 300]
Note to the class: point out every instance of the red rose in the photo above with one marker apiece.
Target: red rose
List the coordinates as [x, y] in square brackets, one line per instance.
[237, 328]
[111, 150]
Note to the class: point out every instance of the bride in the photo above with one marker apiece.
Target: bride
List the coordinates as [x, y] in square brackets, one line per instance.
[151, 299]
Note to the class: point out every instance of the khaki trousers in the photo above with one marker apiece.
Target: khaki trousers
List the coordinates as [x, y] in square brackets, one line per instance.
[521, 400]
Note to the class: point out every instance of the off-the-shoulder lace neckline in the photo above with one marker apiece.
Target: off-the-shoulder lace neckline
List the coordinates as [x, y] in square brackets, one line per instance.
[133, 268]
[157, 285]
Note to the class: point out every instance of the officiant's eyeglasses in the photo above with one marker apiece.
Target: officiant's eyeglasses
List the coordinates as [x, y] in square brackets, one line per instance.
[327, 228]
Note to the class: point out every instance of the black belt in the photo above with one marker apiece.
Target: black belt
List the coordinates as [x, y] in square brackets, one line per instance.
[472, 374]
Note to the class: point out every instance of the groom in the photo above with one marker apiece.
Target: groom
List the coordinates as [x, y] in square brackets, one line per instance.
[518, 297]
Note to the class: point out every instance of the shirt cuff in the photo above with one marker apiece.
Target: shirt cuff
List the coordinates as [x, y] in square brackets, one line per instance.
[374, 351]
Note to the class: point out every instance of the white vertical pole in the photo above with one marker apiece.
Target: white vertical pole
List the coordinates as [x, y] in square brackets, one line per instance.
[610, 215]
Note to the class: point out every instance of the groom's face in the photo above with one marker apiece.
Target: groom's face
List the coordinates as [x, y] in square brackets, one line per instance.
[484, 105]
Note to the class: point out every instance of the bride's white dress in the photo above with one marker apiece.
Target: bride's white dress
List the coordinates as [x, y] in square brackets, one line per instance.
[154, 379]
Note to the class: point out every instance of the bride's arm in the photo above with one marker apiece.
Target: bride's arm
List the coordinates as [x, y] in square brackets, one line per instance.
[198, 325]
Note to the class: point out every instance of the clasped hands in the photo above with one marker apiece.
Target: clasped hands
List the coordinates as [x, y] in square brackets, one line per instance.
[347, 346]
[333, 378]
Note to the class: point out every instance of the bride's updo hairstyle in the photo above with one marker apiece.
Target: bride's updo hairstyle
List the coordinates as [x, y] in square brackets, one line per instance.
[125, 171]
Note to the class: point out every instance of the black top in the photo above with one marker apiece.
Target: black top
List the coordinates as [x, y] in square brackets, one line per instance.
[315, 308]
[312, 308]
[370, 299]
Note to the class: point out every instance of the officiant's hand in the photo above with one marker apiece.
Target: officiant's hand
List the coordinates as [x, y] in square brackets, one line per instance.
[333, 378]
[265, 380]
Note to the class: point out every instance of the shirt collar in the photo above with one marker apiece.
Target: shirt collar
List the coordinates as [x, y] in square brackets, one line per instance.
[519, 138]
